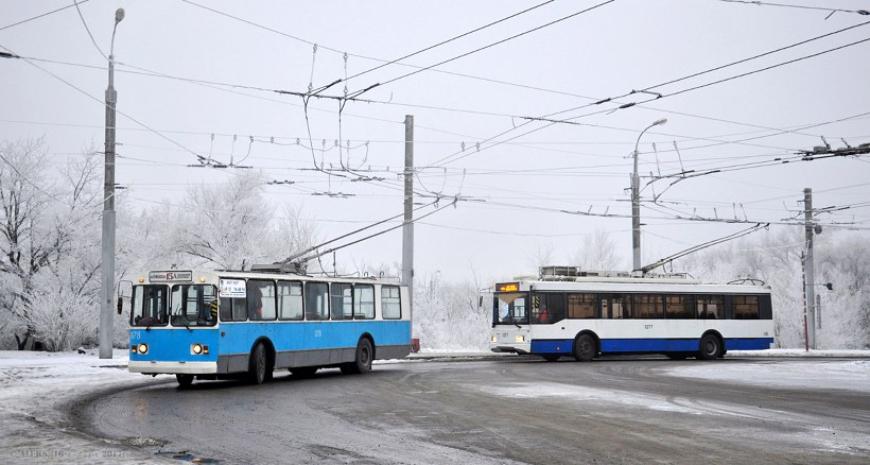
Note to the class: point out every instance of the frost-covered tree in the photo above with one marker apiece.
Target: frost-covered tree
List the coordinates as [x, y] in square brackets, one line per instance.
[220, 226]
[597, 252]
[775, 257]
[48, 273]
[447, 315]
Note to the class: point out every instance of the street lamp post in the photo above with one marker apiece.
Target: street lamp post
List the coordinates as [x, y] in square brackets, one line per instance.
[108, 238]
[635, 201]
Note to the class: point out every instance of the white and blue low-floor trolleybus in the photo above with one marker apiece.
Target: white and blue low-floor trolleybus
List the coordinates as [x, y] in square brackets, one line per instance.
[223, 324]
[567, 312]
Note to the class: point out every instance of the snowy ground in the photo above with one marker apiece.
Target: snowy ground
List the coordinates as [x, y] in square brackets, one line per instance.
[835, 353]
[851, 375]
[33, 388]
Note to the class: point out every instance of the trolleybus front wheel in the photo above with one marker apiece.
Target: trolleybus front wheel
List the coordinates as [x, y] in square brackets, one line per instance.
[259, 370]
[584, 348]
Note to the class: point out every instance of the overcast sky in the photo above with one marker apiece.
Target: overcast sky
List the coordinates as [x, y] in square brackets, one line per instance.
[624, 45]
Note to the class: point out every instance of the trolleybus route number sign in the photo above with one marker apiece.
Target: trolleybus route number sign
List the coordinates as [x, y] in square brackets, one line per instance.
[170, 276]
[233, 288]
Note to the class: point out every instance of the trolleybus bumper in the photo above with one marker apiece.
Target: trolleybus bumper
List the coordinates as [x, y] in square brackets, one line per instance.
[514, 349]
[184, 368]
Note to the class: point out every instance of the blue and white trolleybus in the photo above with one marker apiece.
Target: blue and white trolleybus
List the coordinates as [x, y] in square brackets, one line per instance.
[568, 312]
[217, 324]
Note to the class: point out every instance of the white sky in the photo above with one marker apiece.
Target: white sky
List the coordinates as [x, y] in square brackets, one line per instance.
[626, 45]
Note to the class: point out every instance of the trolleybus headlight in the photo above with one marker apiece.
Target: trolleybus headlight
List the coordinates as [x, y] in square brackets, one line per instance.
[520, 338]
[198, 349]
[494, 338]
[142, 348]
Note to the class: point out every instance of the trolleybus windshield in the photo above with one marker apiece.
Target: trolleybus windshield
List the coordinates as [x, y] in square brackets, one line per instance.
[511, 308]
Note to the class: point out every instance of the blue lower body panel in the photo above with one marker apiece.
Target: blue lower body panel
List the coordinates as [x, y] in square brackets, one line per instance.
[565, 346]
[551, 346]
[748, 343]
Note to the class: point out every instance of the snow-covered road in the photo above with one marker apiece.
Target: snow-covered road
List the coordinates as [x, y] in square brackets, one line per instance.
[493, 410]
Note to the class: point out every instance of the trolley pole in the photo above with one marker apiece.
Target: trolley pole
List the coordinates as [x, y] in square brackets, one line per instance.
[108, 233]
[408, 227]
[809, 268]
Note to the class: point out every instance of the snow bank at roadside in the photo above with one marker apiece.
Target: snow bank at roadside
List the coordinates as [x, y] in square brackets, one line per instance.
[835, 353]
[33, 388]
[27, 377]
[851, 375]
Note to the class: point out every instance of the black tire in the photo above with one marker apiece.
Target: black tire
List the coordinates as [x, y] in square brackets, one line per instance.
[551, 357]
[259, 369]
[303, 372]
[363, 359]
[677, 356]
[184, 381]
[710, 348]
[584, 348]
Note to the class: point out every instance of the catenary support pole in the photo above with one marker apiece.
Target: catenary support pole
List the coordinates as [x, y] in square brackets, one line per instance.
[108, 233]
[810, 268]
[635, 201]
[408, 227]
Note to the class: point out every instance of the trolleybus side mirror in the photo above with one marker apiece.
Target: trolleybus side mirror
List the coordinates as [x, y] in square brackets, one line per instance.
[125, 290]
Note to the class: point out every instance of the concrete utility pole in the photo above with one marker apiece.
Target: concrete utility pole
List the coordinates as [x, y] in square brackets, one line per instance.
[635, 201]
[108, 239]
[809, 268]
[408, 227]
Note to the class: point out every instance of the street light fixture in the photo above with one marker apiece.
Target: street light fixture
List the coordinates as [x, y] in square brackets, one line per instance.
[635, 200]
[108, 237]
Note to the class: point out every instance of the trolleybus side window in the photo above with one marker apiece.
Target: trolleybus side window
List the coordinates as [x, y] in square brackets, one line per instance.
[289, 300]
[511, 309]
[647, 306]
[616, 306]
[363, 301]
[233, 309]
[316, 301]
[679, 306]
[149, 306]
[261, 299]
[194, 305]
[391, 303]
[710, 307]
[581, 306]
[342, 301]
[548, 308]
[746, 307]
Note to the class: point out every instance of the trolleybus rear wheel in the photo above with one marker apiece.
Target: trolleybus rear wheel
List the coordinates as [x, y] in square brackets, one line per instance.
[710, 347]
[363, 360]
